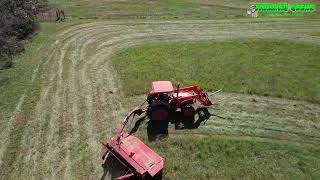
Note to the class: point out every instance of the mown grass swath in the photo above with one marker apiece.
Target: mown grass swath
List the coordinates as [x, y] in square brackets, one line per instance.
[144, 9]
[264, 67]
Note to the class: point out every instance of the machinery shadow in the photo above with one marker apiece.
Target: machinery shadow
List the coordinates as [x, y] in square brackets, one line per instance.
[137, 125]
[113, 170]
[180, 122]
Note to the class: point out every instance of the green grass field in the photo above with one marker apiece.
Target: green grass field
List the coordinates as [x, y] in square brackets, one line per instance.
[77, 79]
[156, 9]
[206, 157]
[146, 9]
[264, 67]
[14, 82]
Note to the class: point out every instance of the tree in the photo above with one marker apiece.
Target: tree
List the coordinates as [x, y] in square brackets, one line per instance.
[17, 22]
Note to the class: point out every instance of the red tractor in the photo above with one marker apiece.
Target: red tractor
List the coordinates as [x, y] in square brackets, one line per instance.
[163, 100]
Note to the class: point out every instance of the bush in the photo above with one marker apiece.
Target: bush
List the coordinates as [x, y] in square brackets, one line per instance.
[17, 22]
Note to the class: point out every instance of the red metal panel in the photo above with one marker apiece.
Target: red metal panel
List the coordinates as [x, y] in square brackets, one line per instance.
[142, 154]
[161, 87]
[136, 154]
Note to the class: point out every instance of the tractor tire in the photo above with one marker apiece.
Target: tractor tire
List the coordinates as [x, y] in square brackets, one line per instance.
[158, 123]
[159, 113]
[188, 114]
[188, 111]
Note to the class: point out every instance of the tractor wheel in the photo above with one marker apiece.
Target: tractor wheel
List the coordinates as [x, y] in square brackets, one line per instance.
[159, 113]
[158, 123]
[188, 111]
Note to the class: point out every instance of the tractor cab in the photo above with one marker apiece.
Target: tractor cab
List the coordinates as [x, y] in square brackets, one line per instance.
[161, 93]
[158, 87]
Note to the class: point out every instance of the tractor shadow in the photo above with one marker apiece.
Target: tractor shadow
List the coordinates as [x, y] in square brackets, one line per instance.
[194, 122]
[137, 125]
[113, 170]
[178, 120]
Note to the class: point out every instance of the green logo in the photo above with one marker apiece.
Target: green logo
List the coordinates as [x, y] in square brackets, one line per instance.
[285, 7]
[271, 7]
[303, 7]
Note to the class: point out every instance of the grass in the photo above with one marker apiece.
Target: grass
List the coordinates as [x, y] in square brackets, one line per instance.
[257, 138]
[205, 157]
[14, 81]
[145, 9]
[17, 81]
[155, 9]
[263, 67]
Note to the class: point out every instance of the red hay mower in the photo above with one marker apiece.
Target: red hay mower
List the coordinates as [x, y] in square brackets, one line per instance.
[139, 160]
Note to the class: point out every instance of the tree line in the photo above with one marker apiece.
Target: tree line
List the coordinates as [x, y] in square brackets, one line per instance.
[17, 23]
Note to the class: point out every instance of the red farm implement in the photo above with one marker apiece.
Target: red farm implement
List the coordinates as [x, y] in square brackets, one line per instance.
[138, 160]
[127, 152]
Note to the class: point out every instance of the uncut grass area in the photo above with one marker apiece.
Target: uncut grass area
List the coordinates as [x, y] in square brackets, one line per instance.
[263, 67]
[204, 157]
